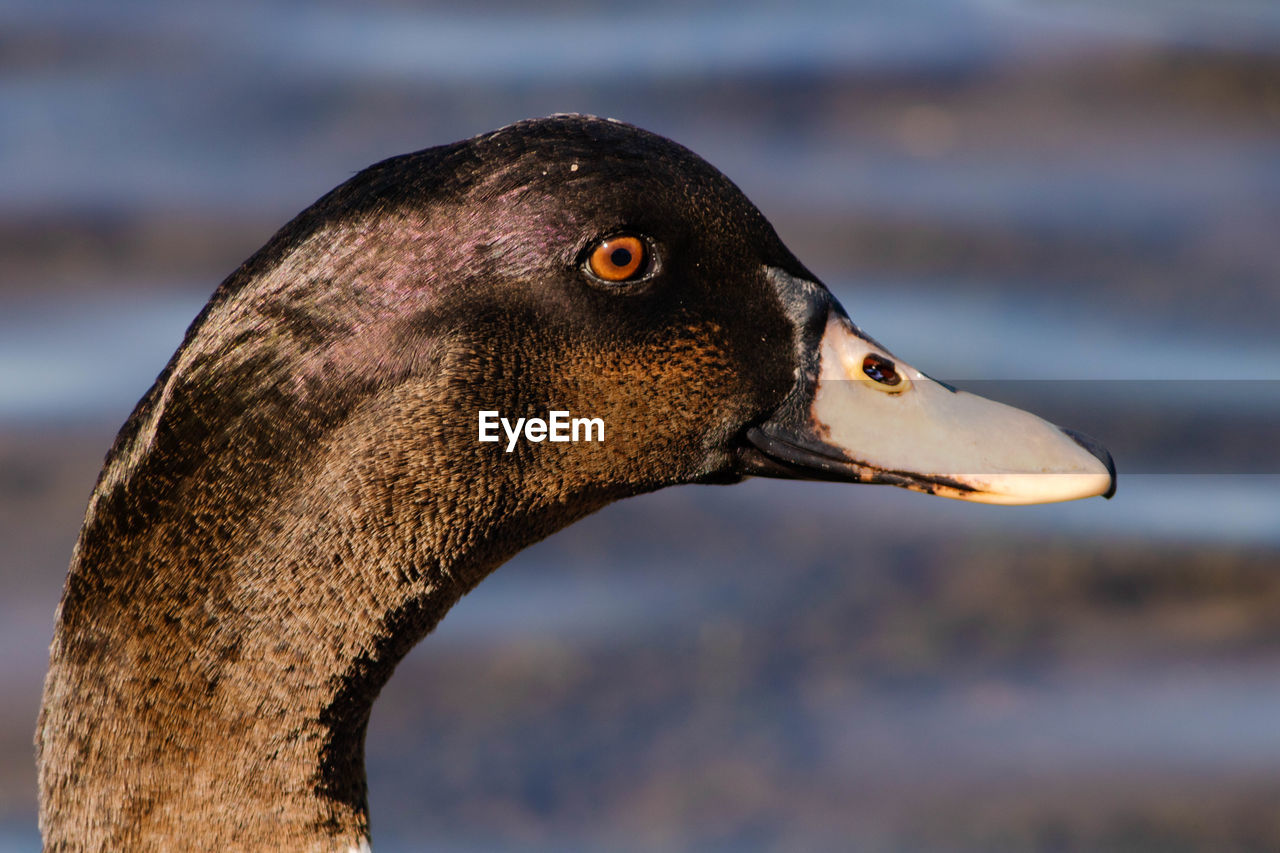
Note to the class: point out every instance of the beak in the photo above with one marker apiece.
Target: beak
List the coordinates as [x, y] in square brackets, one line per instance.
[858, 414]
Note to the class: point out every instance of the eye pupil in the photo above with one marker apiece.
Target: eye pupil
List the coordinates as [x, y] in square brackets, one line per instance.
[620, 257]
[880, 369]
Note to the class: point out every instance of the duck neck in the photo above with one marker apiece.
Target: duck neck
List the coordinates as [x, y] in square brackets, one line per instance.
[218, 651]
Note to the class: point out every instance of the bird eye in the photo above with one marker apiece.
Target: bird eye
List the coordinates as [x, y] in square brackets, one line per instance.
[618, 259]
[881, 369]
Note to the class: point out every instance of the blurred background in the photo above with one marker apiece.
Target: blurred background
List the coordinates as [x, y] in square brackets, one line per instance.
[1073, 203]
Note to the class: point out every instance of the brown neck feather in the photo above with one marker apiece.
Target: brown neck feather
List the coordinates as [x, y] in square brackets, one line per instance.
[214, 668]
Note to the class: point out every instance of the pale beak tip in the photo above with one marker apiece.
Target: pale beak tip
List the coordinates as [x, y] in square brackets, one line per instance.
[1099, 452]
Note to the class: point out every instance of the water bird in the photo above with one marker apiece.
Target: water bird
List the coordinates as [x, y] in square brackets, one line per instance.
[302, 494]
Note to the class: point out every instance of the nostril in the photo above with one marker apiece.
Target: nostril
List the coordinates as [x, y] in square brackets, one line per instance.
[1099, 452]
[880, 369]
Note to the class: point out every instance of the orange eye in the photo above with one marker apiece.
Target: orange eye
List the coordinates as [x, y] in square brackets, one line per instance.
[618, 258]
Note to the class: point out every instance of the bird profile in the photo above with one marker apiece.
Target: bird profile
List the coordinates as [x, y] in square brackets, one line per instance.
[446, 358]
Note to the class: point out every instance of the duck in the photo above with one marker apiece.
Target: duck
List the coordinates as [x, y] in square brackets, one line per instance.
[313, 480]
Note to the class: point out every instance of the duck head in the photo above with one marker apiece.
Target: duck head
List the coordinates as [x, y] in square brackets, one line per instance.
[571, 265]
[584, 266]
